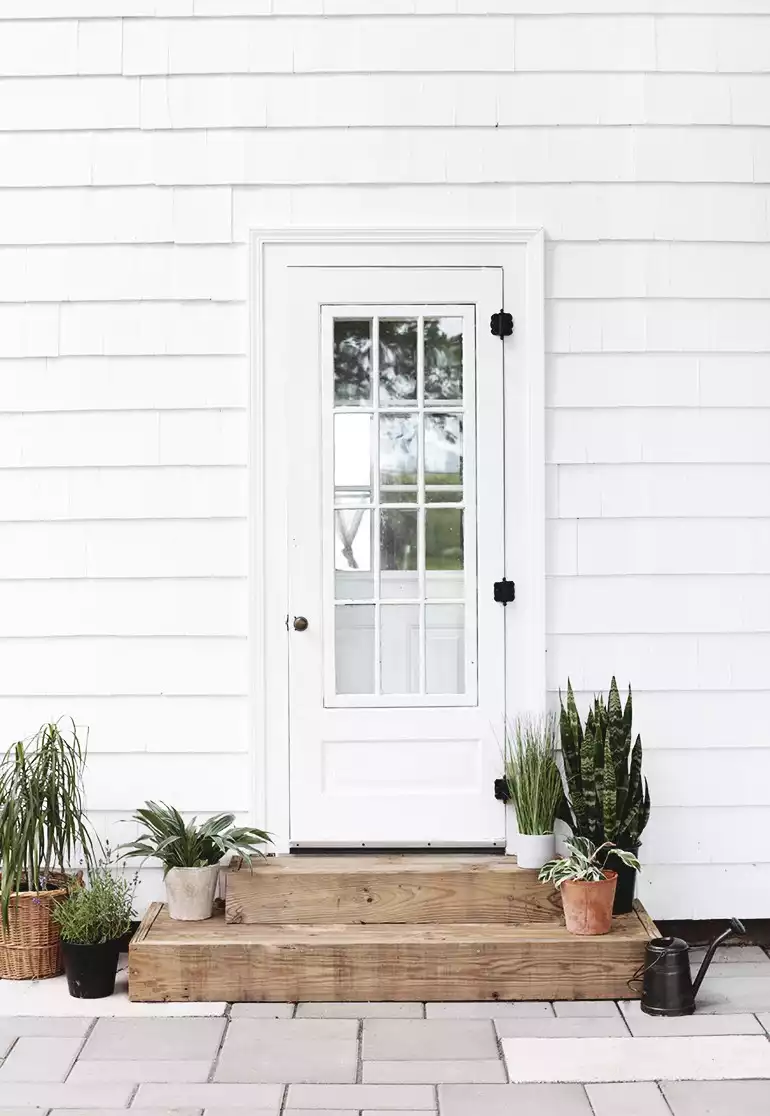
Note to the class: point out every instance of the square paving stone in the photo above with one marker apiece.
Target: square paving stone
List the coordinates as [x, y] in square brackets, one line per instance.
[489, 1010]
[717, 1098]
[208, 1096]
[164, 1040]
[262, 1011]
[586, 1009]
[638, 1059]
[361, 1011]
[137, 1072]
[434, 1073]
[297, 1060]
[428, 1039]
[34, 1026]
[729, 995]
[40, 1059]
[290, 1050]
[562, 1028]
[67, 1096]
[513, 1100]
[654, 1027]
[635, 1098]
[386, 1098]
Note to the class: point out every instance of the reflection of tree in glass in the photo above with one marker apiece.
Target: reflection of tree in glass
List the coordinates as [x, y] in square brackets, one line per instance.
[444, 539]
[398, 360]
[443, 358]
[398, 449]
[398, 540]
[352, 361]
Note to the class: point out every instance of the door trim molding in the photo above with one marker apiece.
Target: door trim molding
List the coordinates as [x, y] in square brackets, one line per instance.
[268, 669]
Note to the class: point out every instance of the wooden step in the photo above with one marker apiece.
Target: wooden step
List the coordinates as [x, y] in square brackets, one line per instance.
[216, 960]
[410, 888]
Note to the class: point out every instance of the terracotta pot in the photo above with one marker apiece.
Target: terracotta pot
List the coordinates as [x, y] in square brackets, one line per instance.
[587, 905]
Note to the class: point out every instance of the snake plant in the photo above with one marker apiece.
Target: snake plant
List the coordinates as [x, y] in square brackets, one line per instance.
[609, 799]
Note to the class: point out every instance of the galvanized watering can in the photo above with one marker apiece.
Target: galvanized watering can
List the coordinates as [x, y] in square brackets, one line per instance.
[667, 984]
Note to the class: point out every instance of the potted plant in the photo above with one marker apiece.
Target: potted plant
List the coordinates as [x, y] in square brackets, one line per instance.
[191, 854]
[608, 798]
[586, 884]
[43, 831]
[533, 786]
[93, 920]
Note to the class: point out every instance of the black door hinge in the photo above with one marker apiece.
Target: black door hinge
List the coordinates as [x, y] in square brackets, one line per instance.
[505, 591]
[501, 325]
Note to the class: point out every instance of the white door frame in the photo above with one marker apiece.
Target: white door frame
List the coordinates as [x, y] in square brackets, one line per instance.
[524, 500]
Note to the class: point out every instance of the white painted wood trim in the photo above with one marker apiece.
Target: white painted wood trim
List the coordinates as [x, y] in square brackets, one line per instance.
[269, 588]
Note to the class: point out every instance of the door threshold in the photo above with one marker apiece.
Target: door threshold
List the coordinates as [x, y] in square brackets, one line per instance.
[307, 848]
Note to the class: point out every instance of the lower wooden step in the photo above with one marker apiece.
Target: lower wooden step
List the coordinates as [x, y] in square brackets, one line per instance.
[214, 960]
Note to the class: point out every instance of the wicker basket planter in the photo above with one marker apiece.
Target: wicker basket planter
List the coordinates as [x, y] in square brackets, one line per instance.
[30, 947]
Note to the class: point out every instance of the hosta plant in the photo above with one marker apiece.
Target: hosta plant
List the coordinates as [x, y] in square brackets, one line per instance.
[609, 799]
[532, 779]
[585, 862]
[180, 844]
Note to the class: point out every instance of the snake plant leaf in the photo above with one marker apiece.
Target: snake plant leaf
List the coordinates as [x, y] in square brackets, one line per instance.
[609, 798]
[616, 733]
[588, 772]
[571, 733]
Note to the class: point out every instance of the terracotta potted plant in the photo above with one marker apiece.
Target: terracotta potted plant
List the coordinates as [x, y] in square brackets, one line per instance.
[43, 832]
[533, 789]
[93, 920]
[586, 885]
[191, 854]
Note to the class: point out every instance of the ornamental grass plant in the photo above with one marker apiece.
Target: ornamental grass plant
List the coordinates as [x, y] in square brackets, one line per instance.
[532, 776]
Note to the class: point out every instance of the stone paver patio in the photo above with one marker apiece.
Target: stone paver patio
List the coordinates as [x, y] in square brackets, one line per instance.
[473, 1059]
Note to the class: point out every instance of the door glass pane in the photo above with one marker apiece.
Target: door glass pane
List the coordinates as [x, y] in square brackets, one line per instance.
[443, 449]
[400, 649]
[352, 362]
[398, 360]
[354, 649]
[401, 505]
[399, 575]
[398, 454]
[352, 458]
[445, 648]
[444, 559]
[353, 554]
[443, 358]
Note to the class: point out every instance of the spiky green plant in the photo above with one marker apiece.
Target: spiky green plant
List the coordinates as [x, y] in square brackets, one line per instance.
[180, 844]
[43, 827]
[609, 800]
[585, 862]
[531, 775]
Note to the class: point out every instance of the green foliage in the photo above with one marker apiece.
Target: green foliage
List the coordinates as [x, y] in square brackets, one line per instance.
[43, 828]
[180, 844]
[532, 777]
[585, 862]
[608, 798]
[96, 912]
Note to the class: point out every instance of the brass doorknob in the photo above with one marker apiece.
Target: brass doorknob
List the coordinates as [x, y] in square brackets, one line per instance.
[300, 624]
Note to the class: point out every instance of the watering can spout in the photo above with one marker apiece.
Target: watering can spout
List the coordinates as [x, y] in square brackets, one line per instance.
[735, 927]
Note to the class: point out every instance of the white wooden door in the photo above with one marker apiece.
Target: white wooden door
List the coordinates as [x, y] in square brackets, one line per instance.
[394, 401]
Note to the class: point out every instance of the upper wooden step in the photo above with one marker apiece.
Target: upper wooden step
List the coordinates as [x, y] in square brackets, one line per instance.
[409, 888]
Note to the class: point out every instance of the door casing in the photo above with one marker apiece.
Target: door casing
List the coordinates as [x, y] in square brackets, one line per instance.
[274, 251]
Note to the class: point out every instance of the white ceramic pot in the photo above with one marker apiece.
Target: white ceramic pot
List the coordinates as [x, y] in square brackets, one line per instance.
[190, 892]
[533, 850]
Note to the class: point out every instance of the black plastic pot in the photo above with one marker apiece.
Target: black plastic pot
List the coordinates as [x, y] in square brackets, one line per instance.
[626, 887]
[90, 969]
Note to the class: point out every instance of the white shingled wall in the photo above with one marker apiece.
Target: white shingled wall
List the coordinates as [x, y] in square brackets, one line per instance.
[141, 140]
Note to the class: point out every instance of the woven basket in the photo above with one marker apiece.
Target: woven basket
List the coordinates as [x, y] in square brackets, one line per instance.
[30, 947]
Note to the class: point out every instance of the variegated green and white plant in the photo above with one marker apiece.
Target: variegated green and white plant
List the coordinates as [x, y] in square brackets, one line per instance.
[585, 862]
